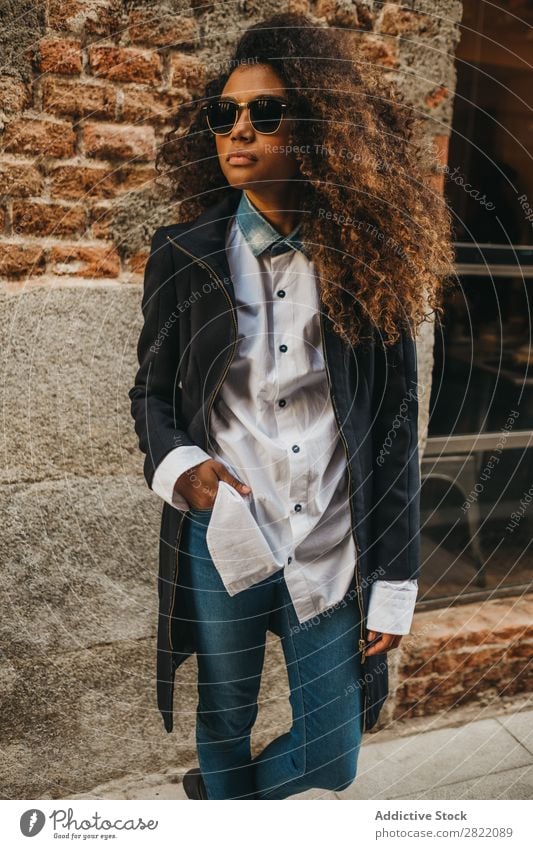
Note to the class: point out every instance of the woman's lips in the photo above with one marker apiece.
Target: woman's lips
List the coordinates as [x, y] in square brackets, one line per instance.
[241, 159]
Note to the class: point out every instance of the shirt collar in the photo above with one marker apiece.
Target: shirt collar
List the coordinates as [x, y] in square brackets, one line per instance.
[260, 234]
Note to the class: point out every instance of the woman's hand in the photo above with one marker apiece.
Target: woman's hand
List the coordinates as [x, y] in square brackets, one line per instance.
[387, 642]
[199, 485]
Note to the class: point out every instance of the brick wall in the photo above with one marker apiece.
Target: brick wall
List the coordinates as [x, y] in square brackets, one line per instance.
[93, 94]
[471, 653]
[80, 134]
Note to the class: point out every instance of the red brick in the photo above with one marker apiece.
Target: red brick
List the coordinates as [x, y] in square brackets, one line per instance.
[335, 14]
[125, 64]
[440, 146]
[468, 638]
[301, 6]
[93, 17]
[66, 15]
[14, 95]
[59, 56]
[460, 655]
[136, 263]
[375, 51]
[101, 219]
[140, 104]
[155, 28]
[436, 96]
[76, 99]
[29, 136]
[119, 141]
[21, 179]
[418, 688]
[46, 219]
[187, 72]
[397, 21]
[17, 260]
[438, 700]
[481, 659]
[366, 17]
[77, 181]
[479, 679]
[521, 650]
[106, 20]
[84, 261]
[522, 670]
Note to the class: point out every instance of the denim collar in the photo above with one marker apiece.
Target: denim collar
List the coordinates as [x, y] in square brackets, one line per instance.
[260, 234]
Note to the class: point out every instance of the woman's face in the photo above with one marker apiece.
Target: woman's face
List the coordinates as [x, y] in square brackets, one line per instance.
[267, 163]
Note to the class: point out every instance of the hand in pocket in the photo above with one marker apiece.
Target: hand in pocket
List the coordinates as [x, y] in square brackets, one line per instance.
[199, 485]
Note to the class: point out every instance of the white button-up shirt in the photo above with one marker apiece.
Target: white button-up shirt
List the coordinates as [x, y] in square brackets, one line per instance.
[273, 426]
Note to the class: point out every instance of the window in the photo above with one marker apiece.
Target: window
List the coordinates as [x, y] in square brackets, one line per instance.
[477, 468]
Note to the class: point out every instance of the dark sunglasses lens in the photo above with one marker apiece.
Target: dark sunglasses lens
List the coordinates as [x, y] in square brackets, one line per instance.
[266, 115]
[221, 116]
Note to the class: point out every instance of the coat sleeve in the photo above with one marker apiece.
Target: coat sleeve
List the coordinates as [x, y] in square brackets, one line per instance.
[396, 471]
[156, 397]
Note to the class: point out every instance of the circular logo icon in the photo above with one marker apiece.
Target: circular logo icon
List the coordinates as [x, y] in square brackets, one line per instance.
[31, 822]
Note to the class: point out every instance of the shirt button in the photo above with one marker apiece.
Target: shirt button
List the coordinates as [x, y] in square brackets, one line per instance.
[295, 448]
[282, 402]
[297, 507]
[281, 293]
[283, 348]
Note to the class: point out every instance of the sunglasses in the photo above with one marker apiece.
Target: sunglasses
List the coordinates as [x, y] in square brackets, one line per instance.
[266, 114]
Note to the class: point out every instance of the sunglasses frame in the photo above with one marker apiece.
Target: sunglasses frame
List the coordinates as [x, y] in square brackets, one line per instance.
[243, 104]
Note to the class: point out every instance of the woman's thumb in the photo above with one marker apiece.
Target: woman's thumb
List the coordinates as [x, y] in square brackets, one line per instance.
[227, 477]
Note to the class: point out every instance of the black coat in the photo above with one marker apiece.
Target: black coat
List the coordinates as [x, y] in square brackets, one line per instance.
[185, 350]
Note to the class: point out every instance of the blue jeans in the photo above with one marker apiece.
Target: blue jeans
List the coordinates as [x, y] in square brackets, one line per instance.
[324, 672]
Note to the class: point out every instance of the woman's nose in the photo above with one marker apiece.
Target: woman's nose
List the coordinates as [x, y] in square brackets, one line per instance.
[242, 124]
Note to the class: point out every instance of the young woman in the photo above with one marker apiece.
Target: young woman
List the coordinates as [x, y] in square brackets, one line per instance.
[276, 401]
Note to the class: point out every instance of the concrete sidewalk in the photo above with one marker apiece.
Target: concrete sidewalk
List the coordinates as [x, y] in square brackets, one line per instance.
[471, 753]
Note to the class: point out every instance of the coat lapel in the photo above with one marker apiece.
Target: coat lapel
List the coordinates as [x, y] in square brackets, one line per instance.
[205, 236]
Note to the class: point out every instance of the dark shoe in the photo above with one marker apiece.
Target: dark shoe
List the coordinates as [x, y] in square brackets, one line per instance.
[193, 784]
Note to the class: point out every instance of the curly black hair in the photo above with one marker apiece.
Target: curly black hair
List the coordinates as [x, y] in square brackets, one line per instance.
[377, 229]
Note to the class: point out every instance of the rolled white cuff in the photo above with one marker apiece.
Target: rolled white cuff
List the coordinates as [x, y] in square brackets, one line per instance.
[171, 467]
[391, 606]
